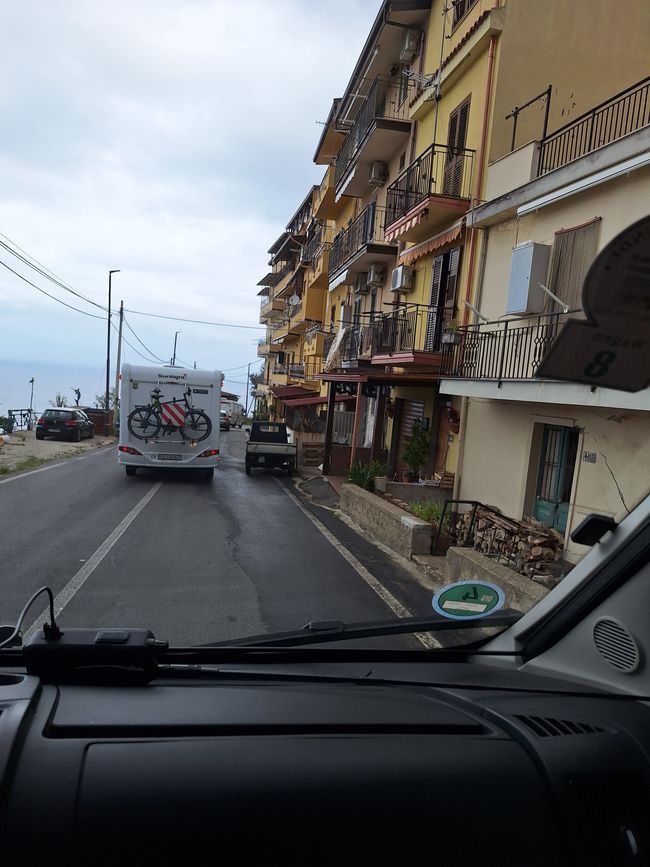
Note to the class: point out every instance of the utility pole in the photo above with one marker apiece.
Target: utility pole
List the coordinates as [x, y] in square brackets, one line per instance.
[174, 356]
[119, 355]
[108, 349]
[248, 386]
[31, 403]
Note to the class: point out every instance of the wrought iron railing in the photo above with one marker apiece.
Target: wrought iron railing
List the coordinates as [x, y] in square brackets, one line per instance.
[357, 342]
[310, 250]
[440, 170]
[368, 228]
[620, 115]
[511, 349]
[306, 369]
[412, 328]
[383, 101]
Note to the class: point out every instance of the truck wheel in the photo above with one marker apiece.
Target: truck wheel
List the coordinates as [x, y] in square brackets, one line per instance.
[248, 469]
[130, 471]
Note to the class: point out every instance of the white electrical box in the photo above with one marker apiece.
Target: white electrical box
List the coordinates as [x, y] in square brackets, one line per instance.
[529, 268]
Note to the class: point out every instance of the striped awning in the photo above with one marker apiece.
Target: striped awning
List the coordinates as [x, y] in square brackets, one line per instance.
[412, 254]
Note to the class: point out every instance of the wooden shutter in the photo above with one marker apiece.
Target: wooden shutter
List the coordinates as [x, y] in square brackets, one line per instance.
[433, 318]
[452, 279]
[573, 252]
[456, 141]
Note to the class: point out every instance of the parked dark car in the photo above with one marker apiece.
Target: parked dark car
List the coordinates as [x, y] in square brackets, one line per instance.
[64, 423]
[224, 423]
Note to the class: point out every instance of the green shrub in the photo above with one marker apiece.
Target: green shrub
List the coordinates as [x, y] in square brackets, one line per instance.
[364, 475]
[429, 511]
[416, 448]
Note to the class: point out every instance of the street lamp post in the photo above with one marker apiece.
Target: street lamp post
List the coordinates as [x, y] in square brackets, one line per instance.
[174, 356]
[108, 348]
[31, 403]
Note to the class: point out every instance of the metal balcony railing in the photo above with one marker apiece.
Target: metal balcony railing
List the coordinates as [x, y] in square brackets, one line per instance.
[306, 369]
[357, 342]
[502, 350]
[438, 171]
[368, 228]
[384, 100]
[310, 250]
[620, 115]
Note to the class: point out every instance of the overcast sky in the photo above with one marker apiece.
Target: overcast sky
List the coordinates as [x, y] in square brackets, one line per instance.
[171, 139]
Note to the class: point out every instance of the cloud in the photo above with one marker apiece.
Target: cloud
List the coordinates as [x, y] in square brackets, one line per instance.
[172, 140]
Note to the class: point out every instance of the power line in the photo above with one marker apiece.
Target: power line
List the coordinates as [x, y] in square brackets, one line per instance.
[53, 297]
[45, 272]
[137, 352]
[229, 369]
[153, 354]
[197, 321]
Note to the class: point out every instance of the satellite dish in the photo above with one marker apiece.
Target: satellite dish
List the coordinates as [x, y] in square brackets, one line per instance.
[295, 299]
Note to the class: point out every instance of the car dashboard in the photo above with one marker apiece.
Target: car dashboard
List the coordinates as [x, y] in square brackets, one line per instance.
[457, 763]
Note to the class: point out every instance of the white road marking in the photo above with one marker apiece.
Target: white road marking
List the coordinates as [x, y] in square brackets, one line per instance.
[385, 595]
[77, 581]
[100, 450]
[30, 473]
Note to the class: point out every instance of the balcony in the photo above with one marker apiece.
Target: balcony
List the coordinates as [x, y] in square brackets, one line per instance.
[294, 284]
[290, 373]
[325, 205]
[356, 348]
[434, 190]
[265, 347]
[506, 350]
[270, 308]
[362, 243]
[379, 129]
[618, 116]
[410, 335]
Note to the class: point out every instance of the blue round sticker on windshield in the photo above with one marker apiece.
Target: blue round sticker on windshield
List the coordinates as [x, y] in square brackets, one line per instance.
[468, 600]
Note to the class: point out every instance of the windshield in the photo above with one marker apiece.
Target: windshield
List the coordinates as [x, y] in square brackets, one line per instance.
[303, 270]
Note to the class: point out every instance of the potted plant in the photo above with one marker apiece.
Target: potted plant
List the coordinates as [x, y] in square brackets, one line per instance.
[451, 333]
[416, 450]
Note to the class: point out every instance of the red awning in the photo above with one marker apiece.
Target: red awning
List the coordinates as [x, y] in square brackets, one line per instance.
[282, 391]
[318, 399]
[412, 254]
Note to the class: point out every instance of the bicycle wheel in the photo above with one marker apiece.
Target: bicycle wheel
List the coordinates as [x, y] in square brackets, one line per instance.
[143, 423]
[197, 425]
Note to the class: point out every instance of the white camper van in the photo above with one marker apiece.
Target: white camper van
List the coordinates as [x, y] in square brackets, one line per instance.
[235, 412]
[169, 417]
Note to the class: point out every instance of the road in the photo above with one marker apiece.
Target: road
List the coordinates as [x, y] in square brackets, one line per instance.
[195, 562]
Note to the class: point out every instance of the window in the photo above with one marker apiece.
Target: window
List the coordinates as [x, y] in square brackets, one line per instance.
[402, 161]
[403, 84]
[442, 302]
[573, 252]
[333, 317]
[461, 8]
[452, 184]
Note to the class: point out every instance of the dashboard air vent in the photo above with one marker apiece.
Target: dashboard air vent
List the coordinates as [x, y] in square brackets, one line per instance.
[549, 727]
[616, 645]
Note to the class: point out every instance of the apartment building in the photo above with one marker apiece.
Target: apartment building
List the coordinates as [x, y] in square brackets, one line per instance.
[554, 450]
[450, 107]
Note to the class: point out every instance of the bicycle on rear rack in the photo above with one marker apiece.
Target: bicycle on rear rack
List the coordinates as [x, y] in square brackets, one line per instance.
[146, 422]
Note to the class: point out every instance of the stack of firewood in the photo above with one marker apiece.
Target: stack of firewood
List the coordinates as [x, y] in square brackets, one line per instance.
[529, 546]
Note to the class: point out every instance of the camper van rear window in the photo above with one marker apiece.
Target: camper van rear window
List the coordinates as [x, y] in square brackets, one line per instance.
[269, 428]
[199, 391]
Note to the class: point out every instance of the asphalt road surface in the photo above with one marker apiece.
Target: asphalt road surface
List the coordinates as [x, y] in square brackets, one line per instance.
[194, 561]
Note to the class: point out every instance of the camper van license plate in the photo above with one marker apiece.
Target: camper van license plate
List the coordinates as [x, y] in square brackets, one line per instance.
[170, 457]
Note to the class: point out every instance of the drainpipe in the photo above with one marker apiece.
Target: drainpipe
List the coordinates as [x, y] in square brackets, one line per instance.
[472, 250]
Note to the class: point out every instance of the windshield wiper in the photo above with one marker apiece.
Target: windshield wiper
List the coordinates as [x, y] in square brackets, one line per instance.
[323, 631]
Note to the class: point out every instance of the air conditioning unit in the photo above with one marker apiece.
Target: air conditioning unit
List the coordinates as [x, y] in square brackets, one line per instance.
[410, 46]
[375, 276]
[378, 174]
[402, 279]
[361, 284]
